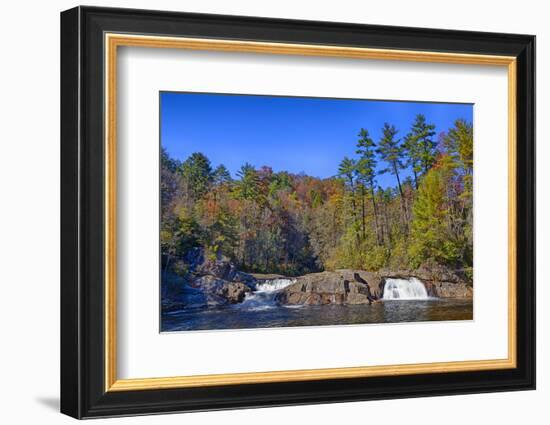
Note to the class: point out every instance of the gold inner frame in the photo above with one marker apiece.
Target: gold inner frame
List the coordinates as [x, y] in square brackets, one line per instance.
[113, 41]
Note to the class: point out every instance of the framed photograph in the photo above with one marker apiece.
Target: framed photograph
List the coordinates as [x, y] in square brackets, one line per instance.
[261, 212]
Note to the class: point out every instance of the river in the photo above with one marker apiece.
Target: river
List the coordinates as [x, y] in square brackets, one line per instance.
[406, 302]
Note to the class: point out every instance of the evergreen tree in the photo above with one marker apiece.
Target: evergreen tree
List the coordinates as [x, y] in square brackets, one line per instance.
[222, 234]
[391, 151]
[366, 174]
[279, 222]
[347, 171]
[197, 175]
[279, 182]
[420, 147]
[431, 234]
[249, 185]
[459, 143]
[221, 175]
[410, 147]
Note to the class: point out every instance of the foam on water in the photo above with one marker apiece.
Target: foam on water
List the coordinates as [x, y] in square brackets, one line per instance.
[263, 298]
[274, 285]
[405, 289]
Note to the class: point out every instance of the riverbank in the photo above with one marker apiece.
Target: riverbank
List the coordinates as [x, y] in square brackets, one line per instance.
[217, 284]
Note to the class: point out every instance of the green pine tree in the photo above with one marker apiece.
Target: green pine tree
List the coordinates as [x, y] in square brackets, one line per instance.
[423, 133]
[366, 175]
[197, 175]
[391, 151]
[347, 171]
[248, 187]
[221, 175]
[431, 238]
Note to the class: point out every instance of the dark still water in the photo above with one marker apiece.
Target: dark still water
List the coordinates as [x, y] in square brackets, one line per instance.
[258, 315]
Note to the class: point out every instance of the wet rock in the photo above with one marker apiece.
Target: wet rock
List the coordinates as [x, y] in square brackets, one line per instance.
[348, 286]
[219, 291]
[220, 268]
[246, 278]
[330, 287]
[208, 282]
[236, 292]
[437, 273]
[452, 290]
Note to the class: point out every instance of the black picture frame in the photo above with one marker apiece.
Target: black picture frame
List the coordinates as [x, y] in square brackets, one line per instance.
[83, 392]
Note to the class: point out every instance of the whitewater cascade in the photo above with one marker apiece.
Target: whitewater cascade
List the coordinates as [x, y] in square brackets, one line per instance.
[274, 285]
[263, 297]
[405, 289]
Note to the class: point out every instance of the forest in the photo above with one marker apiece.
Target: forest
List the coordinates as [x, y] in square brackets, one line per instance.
[268, 221]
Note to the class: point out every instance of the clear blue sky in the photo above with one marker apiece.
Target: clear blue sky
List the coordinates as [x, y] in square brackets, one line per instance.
[309, 135]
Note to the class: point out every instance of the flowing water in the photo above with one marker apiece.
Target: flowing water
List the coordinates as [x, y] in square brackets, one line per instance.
[405, 289]
[403, 301]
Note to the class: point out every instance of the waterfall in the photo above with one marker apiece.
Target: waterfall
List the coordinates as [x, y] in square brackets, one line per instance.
[274, 285]
[405, 289]
[263, 297]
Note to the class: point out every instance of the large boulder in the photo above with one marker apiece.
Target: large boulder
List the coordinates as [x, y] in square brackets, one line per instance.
[219, 291]
[236, 291]
[438, 273]
[330, 287]
[204, 291]
[221, 267]
[246, 278]
[208, 282]
[451, 290]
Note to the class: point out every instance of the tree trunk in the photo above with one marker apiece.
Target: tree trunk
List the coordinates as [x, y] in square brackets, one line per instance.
[377, 230]
[363, 231]
[354, 209]
[403, 207]
[386, 234]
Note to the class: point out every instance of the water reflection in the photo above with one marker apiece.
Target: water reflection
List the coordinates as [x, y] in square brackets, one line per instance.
[389, 311]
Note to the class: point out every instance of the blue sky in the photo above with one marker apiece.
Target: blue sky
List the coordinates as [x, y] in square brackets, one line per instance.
[309, 135]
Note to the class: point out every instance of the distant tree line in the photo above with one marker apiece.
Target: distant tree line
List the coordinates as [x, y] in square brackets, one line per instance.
[278, 222]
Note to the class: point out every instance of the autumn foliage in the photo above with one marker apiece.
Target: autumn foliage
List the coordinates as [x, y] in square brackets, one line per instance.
[278, 222]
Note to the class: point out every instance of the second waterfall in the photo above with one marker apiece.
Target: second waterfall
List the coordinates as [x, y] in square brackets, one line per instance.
[405, 289]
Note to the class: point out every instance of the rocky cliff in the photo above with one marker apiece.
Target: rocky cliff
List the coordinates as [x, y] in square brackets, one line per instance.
[208, 283]
[361, 287]
[217, 282]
